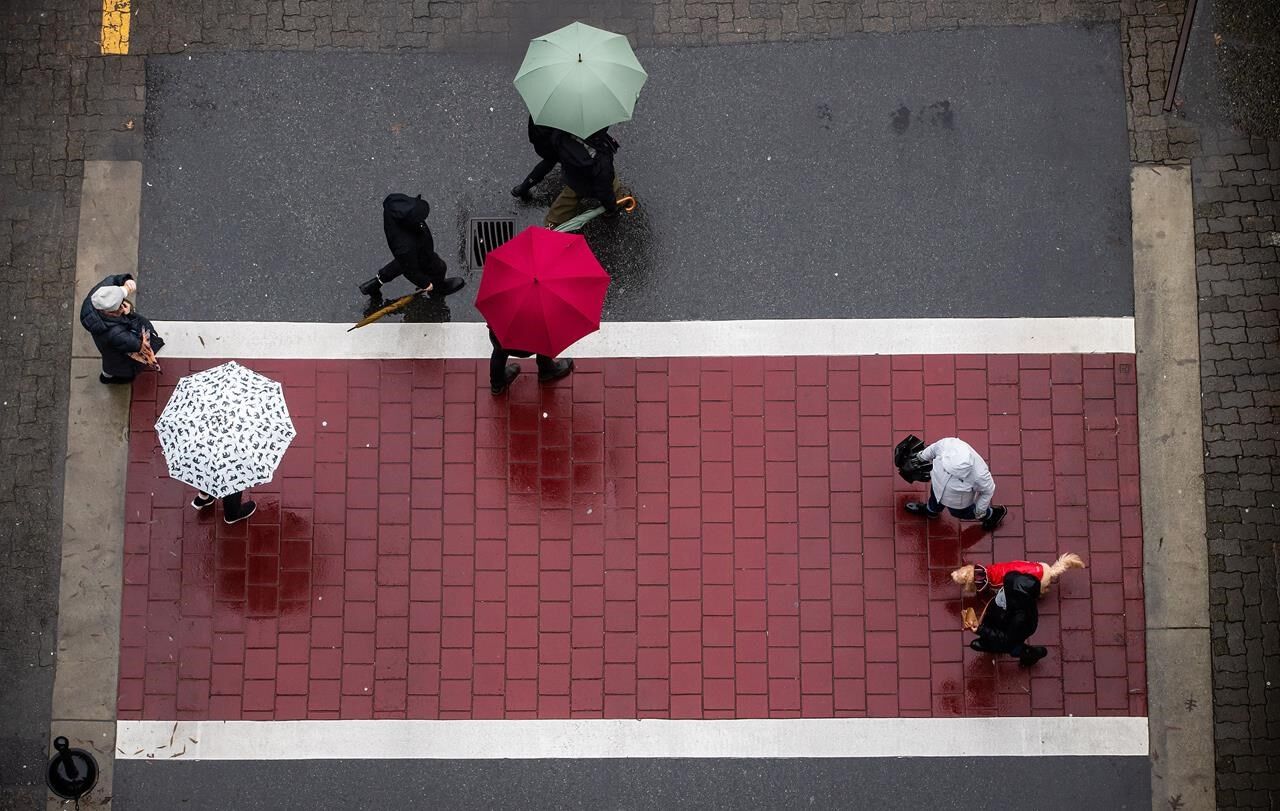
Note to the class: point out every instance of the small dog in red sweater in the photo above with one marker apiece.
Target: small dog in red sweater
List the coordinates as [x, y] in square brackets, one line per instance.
[975, 577]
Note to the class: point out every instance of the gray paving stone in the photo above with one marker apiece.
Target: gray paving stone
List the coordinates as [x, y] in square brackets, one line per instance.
[1241, 475]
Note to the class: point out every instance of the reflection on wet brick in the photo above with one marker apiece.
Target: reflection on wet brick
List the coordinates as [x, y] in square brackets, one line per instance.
[543, 559]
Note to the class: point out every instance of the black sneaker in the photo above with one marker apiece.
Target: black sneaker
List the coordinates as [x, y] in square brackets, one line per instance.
[201, 503]
[1032, 654]
[563, 367]
[246, 509]
[371, 287]
[521, 192]
[512, 372]
[111, 380]
[448, 287]
[997, 515]
[920, 508]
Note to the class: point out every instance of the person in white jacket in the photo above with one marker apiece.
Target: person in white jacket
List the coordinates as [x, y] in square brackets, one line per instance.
[960, 481]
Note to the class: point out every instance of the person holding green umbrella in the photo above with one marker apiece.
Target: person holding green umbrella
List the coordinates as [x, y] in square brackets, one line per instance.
[580, 80]
[587, 164]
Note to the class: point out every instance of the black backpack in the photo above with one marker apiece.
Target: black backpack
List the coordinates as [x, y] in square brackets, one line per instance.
[904, 459]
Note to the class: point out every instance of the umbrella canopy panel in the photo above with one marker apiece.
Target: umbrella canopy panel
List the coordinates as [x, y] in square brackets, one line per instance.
[580, 79]
[225, 429]
[542, 291]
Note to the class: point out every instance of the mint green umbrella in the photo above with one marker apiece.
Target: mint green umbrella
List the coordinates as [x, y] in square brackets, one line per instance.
[580, 79]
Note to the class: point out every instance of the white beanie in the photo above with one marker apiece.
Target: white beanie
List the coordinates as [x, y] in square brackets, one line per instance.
[108, 297]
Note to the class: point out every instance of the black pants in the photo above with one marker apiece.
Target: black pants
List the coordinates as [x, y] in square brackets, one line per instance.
[431, 272]
[539, 172]
[498, 362]
[231, 504]
[119, 378]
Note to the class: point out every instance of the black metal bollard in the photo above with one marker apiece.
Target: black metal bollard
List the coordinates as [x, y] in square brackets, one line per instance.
[72, 772]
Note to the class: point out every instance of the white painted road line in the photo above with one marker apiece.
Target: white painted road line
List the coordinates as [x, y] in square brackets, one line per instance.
[645, 339]
[610, 738]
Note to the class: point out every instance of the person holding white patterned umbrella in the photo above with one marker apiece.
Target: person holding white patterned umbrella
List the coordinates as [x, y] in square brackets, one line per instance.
[223, 431]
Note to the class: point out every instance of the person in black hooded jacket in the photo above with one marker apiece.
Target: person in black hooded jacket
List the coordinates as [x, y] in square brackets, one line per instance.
[542, 139]
[1011, 619]
[117, 330]
[587, 164]
[404, 221]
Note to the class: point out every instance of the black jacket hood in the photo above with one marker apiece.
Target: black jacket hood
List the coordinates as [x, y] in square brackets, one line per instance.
[404, 224]
[406, 210]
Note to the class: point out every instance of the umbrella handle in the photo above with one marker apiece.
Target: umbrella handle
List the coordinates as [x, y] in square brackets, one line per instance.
[628, 203]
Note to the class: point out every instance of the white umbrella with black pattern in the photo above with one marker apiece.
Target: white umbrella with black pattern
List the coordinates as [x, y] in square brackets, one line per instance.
[225, 429]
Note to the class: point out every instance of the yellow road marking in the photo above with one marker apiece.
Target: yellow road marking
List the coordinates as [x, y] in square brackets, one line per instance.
[115, 26]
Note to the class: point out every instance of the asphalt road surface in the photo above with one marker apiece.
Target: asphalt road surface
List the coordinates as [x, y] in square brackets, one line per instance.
[980, 172]
[1045, 784]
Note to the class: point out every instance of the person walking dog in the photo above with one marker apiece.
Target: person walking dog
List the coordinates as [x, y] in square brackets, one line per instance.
[1010, 619]
[960, 481]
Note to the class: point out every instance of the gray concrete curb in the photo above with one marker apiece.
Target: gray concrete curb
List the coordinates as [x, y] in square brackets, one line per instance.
[1175, 549]
[84, 687]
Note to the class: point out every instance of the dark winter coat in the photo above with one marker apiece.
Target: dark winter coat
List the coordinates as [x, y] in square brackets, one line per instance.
[587, 164]
[1004, 628]
[117, 335]
[404, 221]
[542, 140]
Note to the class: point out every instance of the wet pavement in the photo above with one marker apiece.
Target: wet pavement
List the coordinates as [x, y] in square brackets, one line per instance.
[1248, 33]
[652, 538]
[959, 173]
[885, 783]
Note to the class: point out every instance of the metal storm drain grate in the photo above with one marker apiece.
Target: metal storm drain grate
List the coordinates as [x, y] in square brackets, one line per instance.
[484, 234]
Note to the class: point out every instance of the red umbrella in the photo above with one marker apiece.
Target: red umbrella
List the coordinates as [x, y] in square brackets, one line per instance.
[542, 291]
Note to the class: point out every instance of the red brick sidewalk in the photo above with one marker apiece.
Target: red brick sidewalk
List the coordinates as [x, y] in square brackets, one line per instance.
[649, 538]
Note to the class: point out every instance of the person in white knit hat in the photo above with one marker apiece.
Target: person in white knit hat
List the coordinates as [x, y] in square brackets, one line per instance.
[128, 342]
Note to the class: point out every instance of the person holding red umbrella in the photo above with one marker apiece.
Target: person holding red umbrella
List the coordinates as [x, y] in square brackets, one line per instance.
[502, 374]
[541, 292]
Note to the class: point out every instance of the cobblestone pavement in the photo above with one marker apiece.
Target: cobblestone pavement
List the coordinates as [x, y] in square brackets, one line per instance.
[63, 103]
[39, 188]
[1237, 195]
[1237, 209]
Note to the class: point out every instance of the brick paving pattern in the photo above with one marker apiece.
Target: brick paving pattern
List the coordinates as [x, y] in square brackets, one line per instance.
[39, 197]
[652, 538]
[1237, 198]
[1236, 188]
[1149, 35]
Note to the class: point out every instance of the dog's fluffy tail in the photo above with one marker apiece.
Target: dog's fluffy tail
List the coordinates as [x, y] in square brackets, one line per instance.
[1068, 561]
